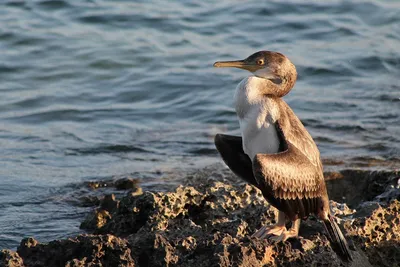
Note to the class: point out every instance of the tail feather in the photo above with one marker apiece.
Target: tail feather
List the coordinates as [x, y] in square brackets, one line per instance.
[337, 238]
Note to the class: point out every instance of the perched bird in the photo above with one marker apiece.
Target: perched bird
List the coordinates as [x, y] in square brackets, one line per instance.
[275, 152]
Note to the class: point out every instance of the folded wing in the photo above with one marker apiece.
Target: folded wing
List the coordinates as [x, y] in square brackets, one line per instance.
[292, 180]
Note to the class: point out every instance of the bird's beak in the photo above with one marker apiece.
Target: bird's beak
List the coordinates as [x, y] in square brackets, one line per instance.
[241, 64]
[230, 64]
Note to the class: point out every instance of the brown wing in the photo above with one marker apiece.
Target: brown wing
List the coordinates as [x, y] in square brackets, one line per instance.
[295, 133]
[292, 180]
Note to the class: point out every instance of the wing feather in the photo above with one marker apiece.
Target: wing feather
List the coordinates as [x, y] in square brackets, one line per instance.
[295, 133]
[289, 174]
[291, 180]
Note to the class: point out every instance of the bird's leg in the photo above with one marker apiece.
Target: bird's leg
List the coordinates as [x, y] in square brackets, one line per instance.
[275, 229]
[292, 232]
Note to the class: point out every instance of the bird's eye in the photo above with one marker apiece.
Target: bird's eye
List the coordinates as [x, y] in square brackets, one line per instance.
[260, 62]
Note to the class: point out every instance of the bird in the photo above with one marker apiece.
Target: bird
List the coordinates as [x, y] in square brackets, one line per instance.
[275, 152]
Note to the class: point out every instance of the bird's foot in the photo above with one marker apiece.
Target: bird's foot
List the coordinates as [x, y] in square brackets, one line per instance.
[265, 231]
[285, 235]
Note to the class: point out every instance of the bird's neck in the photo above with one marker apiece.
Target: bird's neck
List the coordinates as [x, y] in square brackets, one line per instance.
[249, 96]
[253, 90]
[257, 88]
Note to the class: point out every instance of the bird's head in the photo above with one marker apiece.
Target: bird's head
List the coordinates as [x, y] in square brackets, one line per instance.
[269, 65]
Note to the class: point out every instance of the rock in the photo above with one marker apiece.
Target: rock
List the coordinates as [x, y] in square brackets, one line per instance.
[356, 186]
[109, 203]
[209, 220]
[365, 209]
[99, 184]
[208, 226]
[83, 250]
[95, 220]
[10, 258]
[391, 193]
[379, 235]
[341, 209]
[126, 183]
[89, 201]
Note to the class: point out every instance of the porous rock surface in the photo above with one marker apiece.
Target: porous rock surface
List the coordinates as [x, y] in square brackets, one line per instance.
[208, 221]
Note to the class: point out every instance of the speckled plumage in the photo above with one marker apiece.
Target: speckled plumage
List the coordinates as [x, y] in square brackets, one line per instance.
[276, 153]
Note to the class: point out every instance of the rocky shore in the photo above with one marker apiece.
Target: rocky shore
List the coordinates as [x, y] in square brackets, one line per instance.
[208, 221]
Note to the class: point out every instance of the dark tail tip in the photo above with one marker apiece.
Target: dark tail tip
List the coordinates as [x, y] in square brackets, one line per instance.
[337, 239]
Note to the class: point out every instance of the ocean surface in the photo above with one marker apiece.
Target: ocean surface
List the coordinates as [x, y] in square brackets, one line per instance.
[96, 90]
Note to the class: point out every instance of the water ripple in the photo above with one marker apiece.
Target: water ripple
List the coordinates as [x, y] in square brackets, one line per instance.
[106, 149]
[102, 88]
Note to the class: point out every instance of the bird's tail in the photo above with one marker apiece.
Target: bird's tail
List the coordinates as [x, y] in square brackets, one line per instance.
[337, 238]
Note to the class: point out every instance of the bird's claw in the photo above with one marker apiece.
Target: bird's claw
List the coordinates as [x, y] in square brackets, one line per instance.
[285, 235]
[265, 231]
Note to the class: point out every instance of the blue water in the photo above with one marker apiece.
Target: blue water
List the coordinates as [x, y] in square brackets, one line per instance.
[94, 90]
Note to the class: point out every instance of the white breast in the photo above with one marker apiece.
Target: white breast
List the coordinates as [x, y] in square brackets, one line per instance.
[257, 115]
